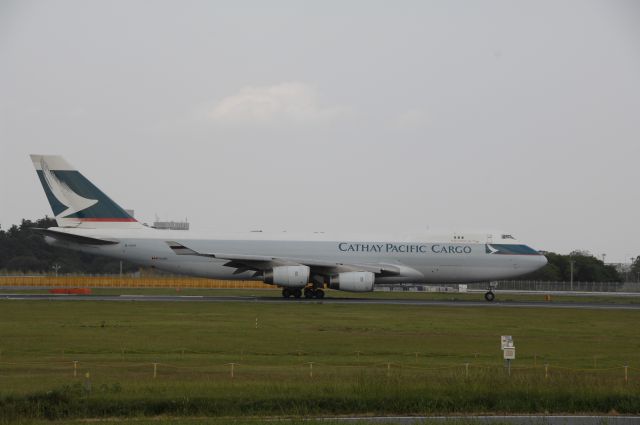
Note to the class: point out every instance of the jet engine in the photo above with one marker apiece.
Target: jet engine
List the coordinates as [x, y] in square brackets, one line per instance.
[288, 276]
[353, 281]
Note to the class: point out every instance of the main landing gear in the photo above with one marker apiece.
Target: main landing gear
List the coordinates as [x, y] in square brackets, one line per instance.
[291, 292]
[309, 292]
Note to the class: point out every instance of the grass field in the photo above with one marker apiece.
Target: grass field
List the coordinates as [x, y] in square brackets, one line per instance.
[454, 420]
[309, 359]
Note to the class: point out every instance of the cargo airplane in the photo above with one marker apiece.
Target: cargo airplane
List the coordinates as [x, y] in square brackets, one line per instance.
[302, 265]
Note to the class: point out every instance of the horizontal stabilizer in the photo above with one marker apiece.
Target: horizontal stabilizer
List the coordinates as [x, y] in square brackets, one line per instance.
[70, 237]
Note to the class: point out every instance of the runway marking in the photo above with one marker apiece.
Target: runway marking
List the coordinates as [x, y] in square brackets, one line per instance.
[355, 301]
[158, 296]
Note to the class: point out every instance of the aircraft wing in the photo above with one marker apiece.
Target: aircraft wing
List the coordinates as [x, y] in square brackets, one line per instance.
[261, 263]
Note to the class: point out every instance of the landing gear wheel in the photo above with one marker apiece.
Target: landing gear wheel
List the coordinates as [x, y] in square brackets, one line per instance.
[297, 292]
[309, 293]
[489, 296]
[319, 294]
[286, 293]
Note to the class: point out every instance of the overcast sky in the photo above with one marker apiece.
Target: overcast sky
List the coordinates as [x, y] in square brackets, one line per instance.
[356, 116]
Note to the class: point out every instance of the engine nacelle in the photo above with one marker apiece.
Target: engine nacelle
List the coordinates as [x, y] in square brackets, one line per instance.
[288, 276]
[353, 281]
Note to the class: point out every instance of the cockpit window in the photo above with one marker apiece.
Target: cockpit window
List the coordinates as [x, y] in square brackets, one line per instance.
[507, 237]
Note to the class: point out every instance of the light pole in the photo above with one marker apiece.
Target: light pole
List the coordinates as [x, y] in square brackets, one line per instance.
[56, 267]
[571, 261]
[603, 257]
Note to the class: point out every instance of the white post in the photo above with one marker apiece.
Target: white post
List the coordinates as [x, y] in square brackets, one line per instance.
[466, 369]
[75, 368]
[155, 370]
[626, 374]
[546, 371]
[232, 369]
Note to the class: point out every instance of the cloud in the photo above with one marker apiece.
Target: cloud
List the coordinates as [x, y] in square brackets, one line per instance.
[287, 103]
[412, 118]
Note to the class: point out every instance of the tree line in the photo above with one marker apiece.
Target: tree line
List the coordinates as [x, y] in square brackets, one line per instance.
[583, 265]
[23, 250]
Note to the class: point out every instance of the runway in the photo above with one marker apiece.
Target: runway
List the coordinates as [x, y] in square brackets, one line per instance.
[355, 301]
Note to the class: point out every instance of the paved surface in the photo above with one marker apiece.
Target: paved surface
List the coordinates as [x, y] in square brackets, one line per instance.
[373, 301]
[563, 293]
[518, 420]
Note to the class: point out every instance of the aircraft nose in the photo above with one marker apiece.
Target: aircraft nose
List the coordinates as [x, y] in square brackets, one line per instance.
[538, 262]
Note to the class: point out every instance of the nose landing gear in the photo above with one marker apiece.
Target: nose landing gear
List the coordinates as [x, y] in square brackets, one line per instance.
[489, 295]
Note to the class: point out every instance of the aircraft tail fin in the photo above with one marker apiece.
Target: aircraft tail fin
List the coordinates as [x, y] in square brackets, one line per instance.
[74, 200]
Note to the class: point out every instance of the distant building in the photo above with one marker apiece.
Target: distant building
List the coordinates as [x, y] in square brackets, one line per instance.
[621, 267]
[171, 225]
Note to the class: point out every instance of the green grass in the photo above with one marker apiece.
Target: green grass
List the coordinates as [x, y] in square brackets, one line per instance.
[364, 359]
[255, 421]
